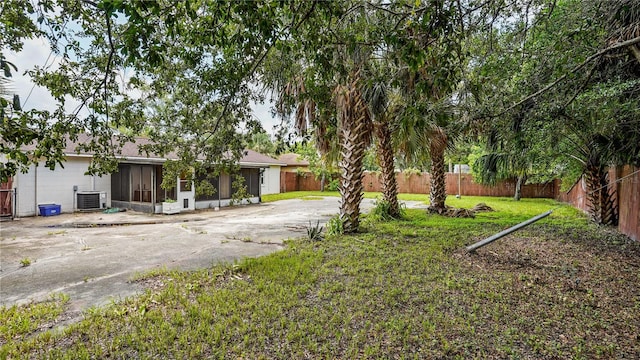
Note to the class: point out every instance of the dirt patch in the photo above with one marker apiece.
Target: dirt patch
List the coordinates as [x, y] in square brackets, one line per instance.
[582, 273]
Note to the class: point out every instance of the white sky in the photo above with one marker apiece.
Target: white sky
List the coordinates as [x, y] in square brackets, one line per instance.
[35, 53]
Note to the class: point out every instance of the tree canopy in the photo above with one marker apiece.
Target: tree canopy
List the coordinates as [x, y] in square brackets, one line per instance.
[540, 83]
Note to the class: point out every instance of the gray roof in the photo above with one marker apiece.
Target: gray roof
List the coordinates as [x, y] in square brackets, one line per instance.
[292, 159]
[255, 157]
[129, 151]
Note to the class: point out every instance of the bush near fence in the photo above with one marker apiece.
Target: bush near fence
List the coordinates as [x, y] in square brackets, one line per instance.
[627, 195]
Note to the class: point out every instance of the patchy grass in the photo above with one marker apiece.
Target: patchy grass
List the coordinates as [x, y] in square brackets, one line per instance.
[561, 288]
[316, 195]
[528, 206]
[17, 323]
[311, 198]
[298, 195]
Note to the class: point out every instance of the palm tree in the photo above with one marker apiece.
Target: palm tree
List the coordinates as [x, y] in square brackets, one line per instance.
[594, 151]
[6, 98]
[354, 126]
[425, 132]
[377, 98]
[511, 151]
[346, 116]
[438, 142]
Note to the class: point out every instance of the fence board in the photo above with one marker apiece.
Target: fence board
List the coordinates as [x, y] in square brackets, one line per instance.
[419, 184]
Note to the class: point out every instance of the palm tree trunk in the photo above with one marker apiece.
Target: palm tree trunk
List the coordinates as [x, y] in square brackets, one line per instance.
[518, 194]
[351, 180]
[385, 160]
[437, 190]
[602, 201]
[355, 136]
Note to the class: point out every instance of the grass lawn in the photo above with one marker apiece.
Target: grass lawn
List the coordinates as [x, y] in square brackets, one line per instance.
[561, 288]
[314, 195]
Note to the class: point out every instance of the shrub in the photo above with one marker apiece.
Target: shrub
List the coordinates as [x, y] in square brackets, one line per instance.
[314, 233]
[335, 226]
[382, 210]
[411, 171]
[334, 185]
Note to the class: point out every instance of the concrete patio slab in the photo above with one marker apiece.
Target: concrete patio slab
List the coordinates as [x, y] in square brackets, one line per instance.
[92, 256]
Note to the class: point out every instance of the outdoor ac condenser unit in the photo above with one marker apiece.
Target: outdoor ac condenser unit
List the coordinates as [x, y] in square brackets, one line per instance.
[91, 200]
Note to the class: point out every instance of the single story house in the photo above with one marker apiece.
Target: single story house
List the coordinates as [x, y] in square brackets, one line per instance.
[135, 185]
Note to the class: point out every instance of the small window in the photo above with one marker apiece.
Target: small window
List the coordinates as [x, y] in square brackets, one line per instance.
[185, 185]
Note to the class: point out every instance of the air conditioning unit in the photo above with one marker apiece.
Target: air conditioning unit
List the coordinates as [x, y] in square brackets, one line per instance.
[91, 200]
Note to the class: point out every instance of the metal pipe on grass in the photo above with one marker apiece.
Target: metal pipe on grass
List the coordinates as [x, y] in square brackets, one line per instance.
[489, 240]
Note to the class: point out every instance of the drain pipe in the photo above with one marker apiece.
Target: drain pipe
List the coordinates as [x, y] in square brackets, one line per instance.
[489, 240]
[15, 203]
[75, 196]
[35, 185]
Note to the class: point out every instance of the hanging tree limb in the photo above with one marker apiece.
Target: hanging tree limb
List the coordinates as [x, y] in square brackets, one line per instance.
[616, 46]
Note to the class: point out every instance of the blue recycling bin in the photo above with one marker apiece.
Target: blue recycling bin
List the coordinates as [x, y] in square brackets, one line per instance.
[49, 209]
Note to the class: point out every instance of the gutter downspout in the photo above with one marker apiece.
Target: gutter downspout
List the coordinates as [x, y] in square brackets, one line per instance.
[35, 182]
[260, 181]
[15, 203]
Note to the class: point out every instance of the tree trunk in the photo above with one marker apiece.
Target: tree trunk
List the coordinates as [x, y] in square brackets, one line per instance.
[518, 195]
[355, 136]
[388, 174]
[601, 199]
[438, 190]
[351, 181]
[322, 179]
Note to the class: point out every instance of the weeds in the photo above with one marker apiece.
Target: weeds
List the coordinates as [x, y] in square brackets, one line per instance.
[314, 233]
[403, 288]
[382, 210]
[24, 262]
[17, 322]
[335, 226]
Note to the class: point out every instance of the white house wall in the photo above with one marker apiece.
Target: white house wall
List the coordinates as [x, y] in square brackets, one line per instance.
[25, 193]
[189, 195]
[271, 180]
[43, 186]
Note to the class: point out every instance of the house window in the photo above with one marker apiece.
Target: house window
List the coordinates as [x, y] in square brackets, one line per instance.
[185, 185]
[261, 177]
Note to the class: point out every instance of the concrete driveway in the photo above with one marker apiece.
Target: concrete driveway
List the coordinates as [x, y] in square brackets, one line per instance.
[91, 257]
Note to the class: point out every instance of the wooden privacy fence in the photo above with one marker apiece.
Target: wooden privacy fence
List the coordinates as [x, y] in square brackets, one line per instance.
[626, 188]
[419, 184]
[6, 199]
